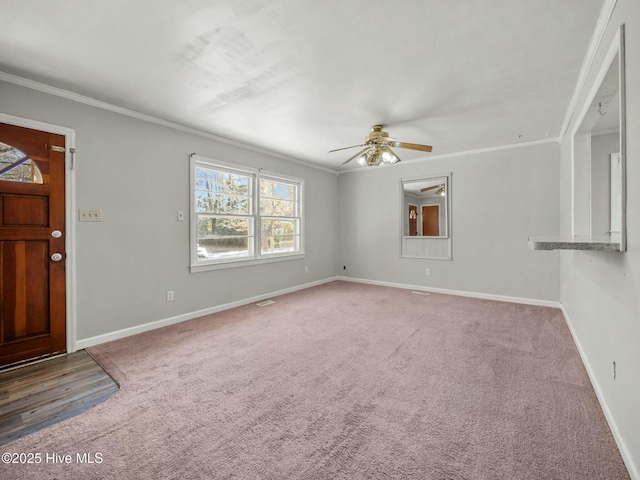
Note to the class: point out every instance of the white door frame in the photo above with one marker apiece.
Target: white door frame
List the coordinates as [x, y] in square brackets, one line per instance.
[70, 208]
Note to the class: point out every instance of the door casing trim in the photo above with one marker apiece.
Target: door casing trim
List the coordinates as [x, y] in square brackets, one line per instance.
[70, 208]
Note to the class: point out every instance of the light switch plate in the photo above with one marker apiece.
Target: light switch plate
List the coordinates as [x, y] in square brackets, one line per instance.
[89, 215]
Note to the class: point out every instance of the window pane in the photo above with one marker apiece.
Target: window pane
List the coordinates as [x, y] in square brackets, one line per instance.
[279, 236]
[16, 166]
[212, 226]
[277, 190]
[279, 244]
[209, 202]
[279, 227]
[222, 182]
[223, 237]
[225, 248]
[277, 208]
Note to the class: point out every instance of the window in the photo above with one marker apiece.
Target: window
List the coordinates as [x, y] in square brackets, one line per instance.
[242, 215]
[15, 166]
[279, 216]
[223, 208]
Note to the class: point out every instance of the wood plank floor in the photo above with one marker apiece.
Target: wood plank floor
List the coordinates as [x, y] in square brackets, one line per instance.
[38, 395]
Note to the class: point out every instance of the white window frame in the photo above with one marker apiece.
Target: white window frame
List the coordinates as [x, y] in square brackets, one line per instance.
[198, 265]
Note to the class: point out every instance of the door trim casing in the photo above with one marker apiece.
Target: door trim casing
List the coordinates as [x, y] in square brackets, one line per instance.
[69, 210]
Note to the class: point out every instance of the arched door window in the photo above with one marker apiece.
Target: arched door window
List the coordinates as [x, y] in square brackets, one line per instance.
[16, 166]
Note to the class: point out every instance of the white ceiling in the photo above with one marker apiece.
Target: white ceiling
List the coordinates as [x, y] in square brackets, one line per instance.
[301, 77]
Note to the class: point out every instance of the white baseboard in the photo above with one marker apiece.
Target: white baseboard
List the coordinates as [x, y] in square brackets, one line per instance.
[627, 458]
[127, 332]
[461, 293]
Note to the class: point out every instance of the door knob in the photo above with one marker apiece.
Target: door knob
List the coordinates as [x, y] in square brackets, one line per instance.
[56, 257]
[56, 234]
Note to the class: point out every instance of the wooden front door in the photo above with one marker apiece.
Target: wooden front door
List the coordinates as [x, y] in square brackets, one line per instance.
[431, 220]
[32, 244]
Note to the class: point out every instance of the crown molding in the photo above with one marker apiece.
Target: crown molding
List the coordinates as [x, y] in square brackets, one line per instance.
[460, 154]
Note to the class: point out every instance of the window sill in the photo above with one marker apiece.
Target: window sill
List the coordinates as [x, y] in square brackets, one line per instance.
[425, 257]
[204, 267]
[602, 244]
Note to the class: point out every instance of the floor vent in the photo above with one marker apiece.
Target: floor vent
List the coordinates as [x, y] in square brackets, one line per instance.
[416, 292]
[265, 303]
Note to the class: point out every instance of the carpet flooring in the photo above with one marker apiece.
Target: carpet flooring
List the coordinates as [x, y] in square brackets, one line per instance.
[341, 381]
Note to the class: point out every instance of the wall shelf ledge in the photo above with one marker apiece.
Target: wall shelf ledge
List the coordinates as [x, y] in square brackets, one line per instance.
[602, 244]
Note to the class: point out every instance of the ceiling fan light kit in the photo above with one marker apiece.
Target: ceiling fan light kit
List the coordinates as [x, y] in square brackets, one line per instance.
[377, 149]
[377, 156]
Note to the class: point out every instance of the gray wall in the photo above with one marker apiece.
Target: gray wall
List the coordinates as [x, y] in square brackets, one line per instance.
[499, 198]
[138, 174]
[601, 291]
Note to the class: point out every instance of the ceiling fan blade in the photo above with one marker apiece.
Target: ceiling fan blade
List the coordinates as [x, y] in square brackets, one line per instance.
[356, 155]
[430, 188]
[346, 148]
[412, 146]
